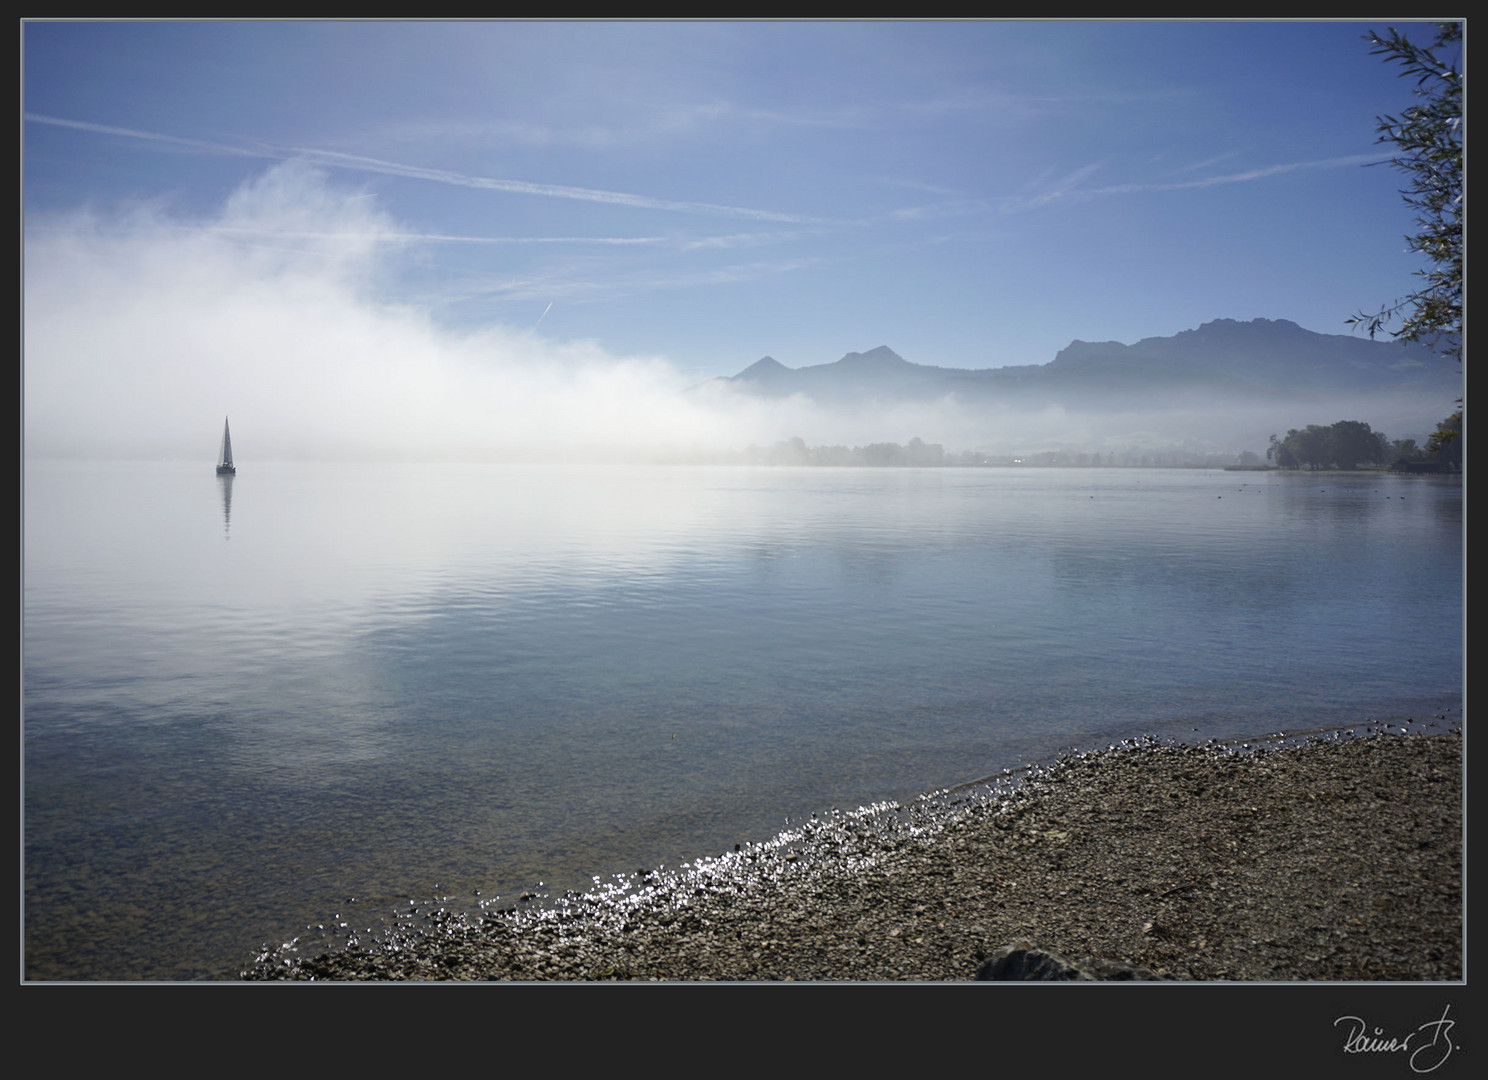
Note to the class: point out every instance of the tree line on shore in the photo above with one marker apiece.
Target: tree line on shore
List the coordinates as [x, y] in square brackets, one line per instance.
[920, 454]
[1350, 444]
[796, 452]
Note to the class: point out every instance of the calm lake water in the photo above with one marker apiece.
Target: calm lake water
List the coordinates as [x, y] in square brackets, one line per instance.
[247, 701]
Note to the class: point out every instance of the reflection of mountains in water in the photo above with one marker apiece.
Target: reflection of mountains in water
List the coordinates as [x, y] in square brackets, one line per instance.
[1259, 360]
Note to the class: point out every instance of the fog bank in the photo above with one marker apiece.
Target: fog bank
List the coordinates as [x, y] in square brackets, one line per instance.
[145, 326]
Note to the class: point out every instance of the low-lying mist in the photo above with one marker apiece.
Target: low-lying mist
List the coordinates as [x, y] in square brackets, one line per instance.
[144, 327]
[1193, 425]
[143, 330]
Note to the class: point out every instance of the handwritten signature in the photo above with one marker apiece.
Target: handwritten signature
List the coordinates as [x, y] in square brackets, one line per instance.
[1424, 1057]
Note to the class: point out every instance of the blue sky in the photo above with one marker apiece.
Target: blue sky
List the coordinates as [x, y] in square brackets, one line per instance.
[660, 203]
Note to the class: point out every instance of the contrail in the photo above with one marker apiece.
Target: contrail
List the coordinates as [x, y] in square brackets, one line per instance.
[360, 163]
[543, 316]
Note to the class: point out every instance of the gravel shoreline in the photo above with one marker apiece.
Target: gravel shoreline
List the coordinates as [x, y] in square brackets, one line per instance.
[1328, 858]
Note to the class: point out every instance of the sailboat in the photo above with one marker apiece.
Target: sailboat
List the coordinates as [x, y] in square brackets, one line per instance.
[225, 466]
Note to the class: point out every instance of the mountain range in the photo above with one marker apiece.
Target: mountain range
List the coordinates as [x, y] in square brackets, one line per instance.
[1221, 361]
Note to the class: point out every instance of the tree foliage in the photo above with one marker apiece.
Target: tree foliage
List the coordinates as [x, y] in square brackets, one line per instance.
[1407, 450]
[1445, 443]
[1428, 138]
[1344, 445]
[1352, 443]
[1281, 454]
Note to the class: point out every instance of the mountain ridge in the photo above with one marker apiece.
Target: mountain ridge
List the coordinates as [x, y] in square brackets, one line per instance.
[1261, 358]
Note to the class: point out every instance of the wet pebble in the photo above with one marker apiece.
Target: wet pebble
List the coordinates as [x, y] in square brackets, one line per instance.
[1276, 865]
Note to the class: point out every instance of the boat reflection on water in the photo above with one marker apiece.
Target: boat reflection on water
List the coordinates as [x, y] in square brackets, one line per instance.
[225, 482]
[226, 470]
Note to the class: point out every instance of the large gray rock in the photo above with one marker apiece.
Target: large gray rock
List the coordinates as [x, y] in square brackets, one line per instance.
[1021, 962]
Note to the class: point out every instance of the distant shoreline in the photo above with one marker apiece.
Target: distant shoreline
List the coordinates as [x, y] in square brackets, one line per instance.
[1334, 858]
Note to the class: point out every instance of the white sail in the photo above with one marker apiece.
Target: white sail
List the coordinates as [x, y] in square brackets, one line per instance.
[224, 459]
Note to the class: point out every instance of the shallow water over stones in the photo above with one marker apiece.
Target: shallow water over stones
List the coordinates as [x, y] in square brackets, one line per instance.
[785, 907]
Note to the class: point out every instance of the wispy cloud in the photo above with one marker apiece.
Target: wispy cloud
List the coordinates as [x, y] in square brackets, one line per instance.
[1207, 163]
[736, 240]
[151, 136]
[1070, 188]
[1052, 191]
[551, 191]
[677, 243]
[446, 238]
[590, 282]
[934, 211]
[359, 163]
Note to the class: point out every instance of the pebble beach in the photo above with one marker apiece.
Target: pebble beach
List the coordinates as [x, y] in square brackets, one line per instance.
[1328, 857]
